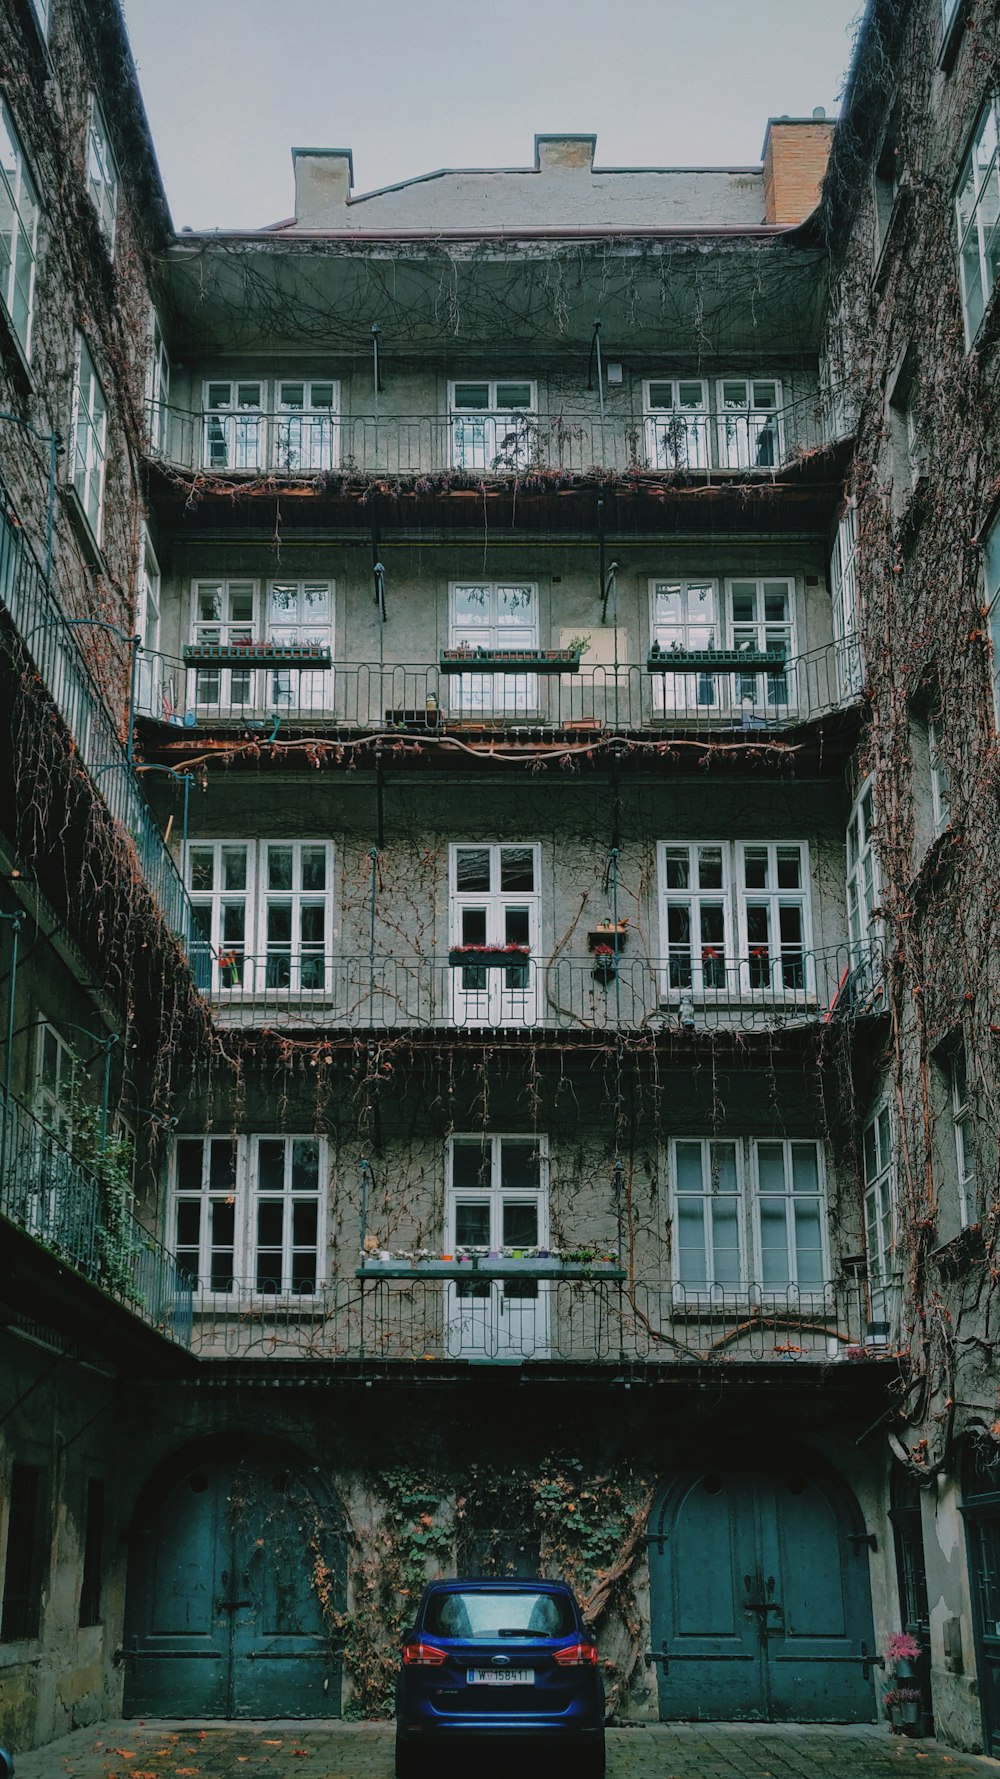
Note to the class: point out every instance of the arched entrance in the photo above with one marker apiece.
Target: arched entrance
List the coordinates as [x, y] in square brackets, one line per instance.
[760, 1597]
[236, 1573]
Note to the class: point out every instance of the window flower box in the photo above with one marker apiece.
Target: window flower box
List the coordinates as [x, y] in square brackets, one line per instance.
[491, 956]
[679, 660]
[258, 654]
[609, 936]
[468, 660]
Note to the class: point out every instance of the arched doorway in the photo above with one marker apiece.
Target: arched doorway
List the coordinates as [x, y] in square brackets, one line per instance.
[237, 1573]
[981, 1507]
[760, 1597]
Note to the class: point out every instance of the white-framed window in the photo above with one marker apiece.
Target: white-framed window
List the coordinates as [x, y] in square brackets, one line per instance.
[748, 423]
[749, 615]
[148, 687]
[231, 613]
[102, 174]
[493, 422]
[493, 615]
[56, 1077]
[299, 612]
[306, 424]
[940, 777]
[495, 904]
[90, 438]
[844, 602]
[863, 922]
[948, 10]
[961, 1124]
[41, 8]
[886, 183]
[880, 1195]
[234, 425]
[737, 918]
[749, 1212]
[248, 1215]
[19, 213]
[497, 1197]
[158, 387]
[675, 411]
[977, 208]
[264, 913]
[990, 542]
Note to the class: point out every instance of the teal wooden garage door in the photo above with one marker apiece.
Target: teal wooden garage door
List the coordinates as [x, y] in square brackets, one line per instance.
[760, 1601]
[223, 1618]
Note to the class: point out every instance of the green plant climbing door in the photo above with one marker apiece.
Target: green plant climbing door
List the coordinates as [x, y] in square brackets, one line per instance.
[235, 1582]
[760, 1599]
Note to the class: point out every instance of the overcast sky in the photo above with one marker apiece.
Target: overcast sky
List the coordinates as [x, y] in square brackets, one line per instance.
[231, 85]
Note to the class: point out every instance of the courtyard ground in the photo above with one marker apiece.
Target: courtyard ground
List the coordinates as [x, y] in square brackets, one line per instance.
[364, 1751]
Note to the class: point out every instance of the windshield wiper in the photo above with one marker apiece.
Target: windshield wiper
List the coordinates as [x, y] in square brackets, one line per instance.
[519, 1631]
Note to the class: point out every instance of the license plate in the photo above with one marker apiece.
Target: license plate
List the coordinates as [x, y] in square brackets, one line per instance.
[500, 1676]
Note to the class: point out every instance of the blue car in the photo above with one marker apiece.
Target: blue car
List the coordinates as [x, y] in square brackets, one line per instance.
[496, 1662]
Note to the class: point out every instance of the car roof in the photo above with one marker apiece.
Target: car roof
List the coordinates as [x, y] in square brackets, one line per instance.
[485, 1584]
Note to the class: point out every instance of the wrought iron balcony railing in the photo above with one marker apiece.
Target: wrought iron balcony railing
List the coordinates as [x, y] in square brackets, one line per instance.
[394, 698]
[255, 442]
[645, 1320]
[50, 1195]
[49, 637]
[770, 988]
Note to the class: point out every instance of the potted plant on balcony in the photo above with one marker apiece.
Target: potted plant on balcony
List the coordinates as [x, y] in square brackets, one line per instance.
[605, 964]
[492, 956]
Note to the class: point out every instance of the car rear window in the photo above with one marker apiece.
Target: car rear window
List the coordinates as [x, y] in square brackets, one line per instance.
[499, 1613]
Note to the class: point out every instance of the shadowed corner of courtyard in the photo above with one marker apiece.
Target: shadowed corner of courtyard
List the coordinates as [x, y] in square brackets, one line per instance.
[168, 1750]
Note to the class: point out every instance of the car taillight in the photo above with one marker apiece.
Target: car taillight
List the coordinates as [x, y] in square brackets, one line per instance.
[423, 1655]
[578, 1655]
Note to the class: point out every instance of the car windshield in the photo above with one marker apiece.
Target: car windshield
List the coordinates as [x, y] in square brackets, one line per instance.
[499, 1613]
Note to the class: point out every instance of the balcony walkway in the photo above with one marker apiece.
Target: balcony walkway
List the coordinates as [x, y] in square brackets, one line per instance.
[769, 990]
[646, 1321]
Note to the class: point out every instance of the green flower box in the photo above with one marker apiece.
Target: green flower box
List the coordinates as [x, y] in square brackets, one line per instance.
[716, 660]
[509, 660]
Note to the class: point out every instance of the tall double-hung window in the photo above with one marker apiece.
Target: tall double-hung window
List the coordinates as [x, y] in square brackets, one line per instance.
[748, 615]
[18, 233]
[493, 424]
[494, 616]
[234, 614]
[736, 919]
[264, 916]
[977, 214]
[102, 174]
[248, 1215]
[90, 438]
[748, 1213]
[880, 1192]
[844, 600]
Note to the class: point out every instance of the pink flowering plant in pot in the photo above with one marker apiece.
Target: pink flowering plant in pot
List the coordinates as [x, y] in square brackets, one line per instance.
[901, 1652]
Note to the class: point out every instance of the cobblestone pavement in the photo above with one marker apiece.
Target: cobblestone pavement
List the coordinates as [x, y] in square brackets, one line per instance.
[364, 1751]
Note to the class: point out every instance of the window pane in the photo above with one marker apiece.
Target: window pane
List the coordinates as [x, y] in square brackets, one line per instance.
[774, 1241]
[470, 1165]
[472, 868]
[691, 1241]
[688, 1161]
[725, 1242]
[279, 867]
[755, 867]
[723, 1167]
[805, 1177]
[314, 868]
[517, 868]
[279, 923]
[520, 1225]
[472, 1225]
[222, 1166]
[234, 867]
[789, 867]
[305, 1164]
[677, 868]
[270, 1223]
[472, 395]
[271, 1164]
[770, 1167]
[513, 395]
[189, 1154]
[519, 1166]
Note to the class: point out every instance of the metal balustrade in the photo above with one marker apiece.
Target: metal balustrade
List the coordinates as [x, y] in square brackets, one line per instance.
[49, 637]
[408, 698]
[254, 442]
[647, 1320]
[53, 1198]
[768, 989]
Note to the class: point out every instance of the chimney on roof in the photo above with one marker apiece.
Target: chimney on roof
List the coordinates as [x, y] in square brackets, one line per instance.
[796, 150]
[323, 181]
[564, 154]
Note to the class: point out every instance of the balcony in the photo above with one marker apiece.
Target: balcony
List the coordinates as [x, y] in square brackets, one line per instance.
[765, 991]
[46, 1193]
[528, 447]
[49, 637]
[646, 1321]
[452, 699]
